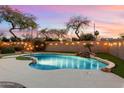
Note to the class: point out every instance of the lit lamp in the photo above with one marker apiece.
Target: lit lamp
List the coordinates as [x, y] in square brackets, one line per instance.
[22, 43]
[84, 43]
[119, 44]
[91, 43]
[28, 49]
[56, 44]
[114, 43]
[50, 44]
[26, 44]
[66, 43]
[36, 46]
[78, 42]
[97, 43]
[72, 43]
[105, 44]
[42, 44]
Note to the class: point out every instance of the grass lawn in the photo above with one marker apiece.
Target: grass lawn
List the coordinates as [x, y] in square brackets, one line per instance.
[119, 69]
[22, 58]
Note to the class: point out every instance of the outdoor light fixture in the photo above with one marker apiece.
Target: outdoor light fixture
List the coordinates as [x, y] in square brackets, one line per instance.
[26, 44]
[105, 44]
[56, 43]
[91, 43]
[84, 43]
[78, 42]
[22, 42]
[36, 45]
[42, 44]
[28, 49]
[72, 43]
[97, 43]
[50, 44]
[114, 43]
[119, 44]
[66, 43]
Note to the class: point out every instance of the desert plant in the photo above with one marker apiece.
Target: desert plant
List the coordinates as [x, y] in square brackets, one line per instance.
[88, 45]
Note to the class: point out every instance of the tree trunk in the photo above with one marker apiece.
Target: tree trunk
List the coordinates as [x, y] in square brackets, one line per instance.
[77, 34]
[89, 49]
[10, 30]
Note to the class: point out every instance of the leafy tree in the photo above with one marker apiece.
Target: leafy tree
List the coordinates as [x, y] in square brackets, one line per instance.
[87, 37]
[17, 19]
[60, 33]
[44, 32]
[77, 23]
[96, 33]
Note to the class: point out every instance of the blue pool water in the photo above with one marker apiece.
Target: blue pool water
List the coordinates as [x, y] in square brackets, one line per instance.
[58, 61]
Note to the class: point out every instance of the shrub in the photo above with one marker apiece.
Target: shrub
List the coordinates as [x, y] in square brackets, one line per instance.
[39, 45]
[4, 39]
[75, 39]
[5, 50]
[52, 39]
[18, 48]
[87, 37]
[13, 39]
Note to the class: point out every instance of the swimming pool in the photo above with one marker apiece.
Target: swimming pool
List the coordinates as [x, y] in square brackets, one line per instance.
[59, 61]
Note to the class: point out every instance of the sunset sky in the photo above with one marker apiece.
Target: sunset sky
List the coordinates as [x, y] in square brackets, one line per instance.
[109, 20]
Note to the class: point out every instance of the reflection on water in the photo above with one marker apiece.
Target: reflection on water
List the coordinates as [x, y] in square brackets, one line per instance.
[51, 61]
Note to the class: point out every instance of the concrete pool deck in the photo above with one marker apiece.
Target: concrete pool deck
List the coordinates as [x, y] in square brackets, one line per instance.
[19, 71]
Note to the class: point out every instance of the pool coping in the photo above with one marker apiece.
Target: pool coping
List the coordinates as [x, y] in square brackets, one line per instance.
[109, 66]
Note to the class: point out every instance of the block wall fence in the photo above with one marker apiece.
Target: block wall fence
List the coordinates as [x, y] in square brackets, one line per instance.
[115, 48]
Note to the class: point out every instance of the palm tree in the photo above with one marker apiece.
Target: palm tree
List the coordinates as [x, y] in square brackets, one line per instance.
[96, 33]
[76, 23]
[17, 19]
